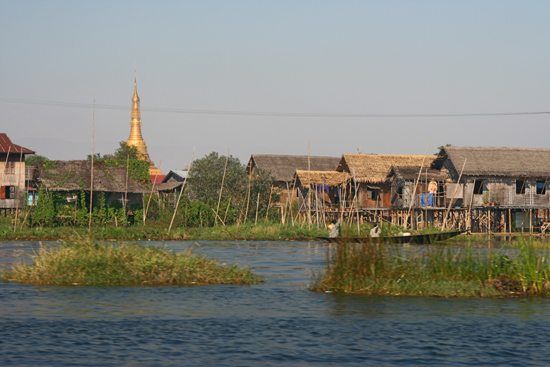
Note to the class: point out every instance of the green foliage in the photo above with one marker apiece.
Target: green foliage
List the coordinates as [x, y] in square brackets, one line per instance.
[123, 153]
[31, 160]
[205, 183]
[45, 213]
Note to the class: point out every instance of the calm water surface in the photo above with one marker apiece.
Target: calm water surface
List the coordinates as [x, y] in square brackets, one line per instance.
[277, 323]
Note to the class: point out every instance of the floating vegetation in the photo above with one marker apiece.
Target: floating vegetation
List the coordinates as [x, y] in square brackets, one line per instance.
[87, 262]
[445, 271]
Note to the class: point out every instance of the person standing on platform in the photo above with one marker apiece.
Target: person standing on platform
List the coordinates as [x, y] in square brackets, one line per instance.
[432, 190]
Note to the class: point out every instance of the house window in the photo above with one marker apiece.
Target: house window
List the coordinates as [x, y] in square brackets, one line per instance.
[478, 187]
[372, 194]
[541, 187]
[520, 186]
[9, 169]
[7, 192]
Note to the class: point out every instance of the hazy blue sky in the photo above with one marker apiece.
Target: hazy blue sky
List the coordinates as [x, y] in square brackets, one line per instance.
[324, 59]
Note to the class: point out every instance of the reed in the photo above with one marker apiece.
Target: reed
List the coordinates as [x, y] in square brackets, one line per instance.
[445, 271]
[86, 262]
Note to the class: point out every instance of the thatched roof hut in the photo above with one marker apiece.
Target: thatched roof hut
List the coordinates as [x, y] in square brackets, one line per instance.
[75, 176]
[495, 161]
[328, 178]
[374, 168]
[407, 173]
[283, 167]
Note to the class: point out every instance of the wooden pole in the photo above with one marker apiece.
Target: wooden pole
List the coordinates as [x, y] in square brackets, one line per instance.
[268, 203]
[126, 186]
[415, 184]
[257, 208]
[18, 189]
[308, 191]
[151, 195]
[453, 197]
[92, 172]
[248, 196]
[221, 188]
[181, 192]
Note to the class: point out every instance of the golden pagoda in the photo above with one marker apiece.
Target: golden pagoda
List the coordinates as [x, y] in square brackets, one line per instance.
[136, 139]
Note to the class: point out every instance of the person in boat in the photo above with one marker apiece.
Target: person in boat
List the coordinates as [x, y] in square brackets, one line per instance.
[375, 231]
[334, 228]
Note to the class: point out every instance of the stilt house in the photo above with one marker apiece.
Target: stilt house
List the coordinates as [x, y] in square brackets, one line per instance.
[370, 176]
[283, 169]
[116, 182]
[516, 179]
[12, 173]
[320, 189]
[429, 191]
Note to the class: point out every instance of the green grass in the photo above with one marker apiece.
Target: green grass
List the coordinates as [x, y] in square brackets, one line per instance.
[443, 271]
[87, 262]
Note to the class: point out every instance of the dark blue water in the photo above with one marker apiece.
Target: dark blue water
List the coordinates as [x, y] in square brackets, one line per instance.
[278, 323]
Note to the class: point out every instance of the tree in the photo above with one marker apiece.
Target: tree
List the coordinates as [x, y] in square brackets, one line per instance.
[206, 176]
[122, 153]
[32, 159]
[205, 182]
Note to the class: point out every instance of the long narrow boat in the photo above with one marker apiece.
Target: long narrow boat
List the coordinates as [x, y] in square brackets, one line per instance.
[419, 239]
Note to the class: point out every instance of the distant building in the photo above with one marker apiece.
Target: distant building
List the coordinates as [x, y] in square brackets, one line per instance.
[12, 173]
[283, 169]
[136, 139]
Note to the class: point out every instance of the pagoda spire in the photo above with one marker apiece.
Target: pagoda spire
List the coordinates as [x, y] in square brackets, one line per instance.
[136, 139]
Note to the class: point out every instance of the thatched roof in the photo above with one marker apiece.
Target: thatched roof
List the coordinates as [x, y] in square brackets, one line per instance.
[283, 167]
[374, 168]
[75, 176]
[407, 173]
[494, 161]
[168, 186]
[329, 178]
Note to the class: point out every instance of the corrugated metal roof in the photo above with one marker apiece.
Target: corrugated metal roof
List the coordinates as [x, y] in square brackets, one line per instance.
[7, 146]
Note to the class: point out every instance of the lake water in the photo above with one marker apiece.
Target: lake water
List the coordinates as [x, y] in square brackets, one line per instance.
[277, 323]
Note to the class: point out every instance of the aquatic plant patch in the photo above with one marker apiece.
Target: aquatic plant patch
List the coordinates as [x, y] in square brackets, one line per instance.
[87, 262]
[445, 271]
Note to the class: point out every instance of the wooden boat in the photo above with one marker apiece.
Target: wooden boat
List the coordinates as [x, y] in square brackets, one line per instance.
[419, 239]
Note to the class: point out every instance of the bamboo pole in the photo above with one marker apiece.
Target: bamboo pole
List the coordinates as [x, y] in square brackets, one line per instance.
[452, 197]
[126, 186]
[470, 207]
[308, 191]
[181, 192]
[151, 195]
[221, 188]
[355, 199]
[290, 202]
[268, 203]
[248, 196]
[257, 208]
[92, 172]
[18, 189]
[415, 184]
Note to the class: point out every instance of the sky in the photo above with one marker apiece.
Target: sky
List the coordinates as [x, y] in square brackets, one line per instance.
[293, 77]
